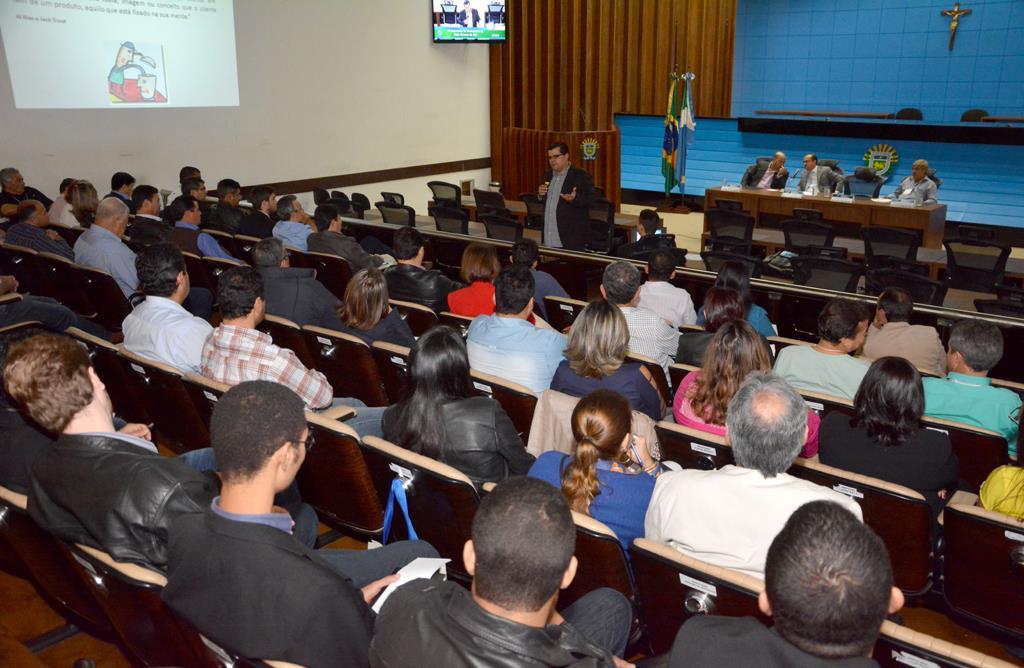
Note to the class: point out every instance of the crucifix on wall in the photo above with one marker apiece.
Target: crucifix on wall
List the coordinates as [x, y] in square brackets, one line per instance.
[954, 14]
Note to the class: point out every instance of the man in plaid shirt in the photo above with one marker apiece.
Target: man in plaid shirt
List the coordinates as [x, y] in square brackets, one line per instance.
[237, 351]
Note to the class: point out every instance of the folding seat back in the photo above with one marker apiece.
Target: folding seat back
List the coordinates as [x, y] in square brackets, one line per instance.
[898, 647]
[204, 393]
[198, 276]
[442, 500]
[899, 515]
[348, 364]
[68, 234]
[562, 311]
[677, 372]
[214, 267]
[393, 366]
[601, 562]
[518, 401]
[333, 271]
[983, 568]
[672, 587]
[823, 404]
[59, 273]
[979, 450]
[112, 306]
[129, 405]
[175, 419]
[692, 448]
[420, 318]
[19, 262]
[287, 334]
[657, 373]
[299, 258]
[335, 480]
[244, 245]
[225, 239]
[460, 323]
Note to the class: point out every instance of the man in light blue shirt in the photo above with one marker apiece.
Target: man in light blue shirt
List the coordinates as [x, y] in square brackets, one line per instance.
[294, 226]
[100, 246]
[160, 328]
[506, 344]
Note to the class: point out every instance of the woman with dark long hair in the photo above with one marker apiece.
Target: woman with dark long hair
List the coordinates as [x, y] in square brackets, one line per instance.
[734, 276]
[885, 439]
[445, 419]
[610, 473]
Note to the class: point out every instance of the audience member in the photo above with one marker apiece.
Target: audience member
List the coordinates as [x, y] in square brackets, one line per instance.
[520, 556]
[195, 188]
[966, 395]
[366, 314]
[885, 439]
[238, 556]
[828, 366]
[13, 192]
[293, 292]
[148, 227]
[657, 295]
[84, 201]
[610, 473]
[409, 281]
[480, 266]
[260, 223]
[735, 276]
[48, 312]
[650, 236]
[188, 172]
[331, 240]
[107, 489]
[160, 328]
[444, 418]
[186, 215]
[891, 333]
[61, 202]
[595, 359]
[29, 231]
[236, 352]
[225, 215]
[100, 246]
[293, 224]
[506, 344]
[24, 440]
[728, 517]
[828, 588]
[121, 186]
[1003, 491]
[721, 306]
[526, 253]
[649, 333]
[735, 351]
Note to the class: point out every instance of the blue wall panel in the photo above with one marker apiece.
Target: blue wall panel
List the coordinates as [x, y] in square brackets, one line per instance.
[981, 183]
[878, 56]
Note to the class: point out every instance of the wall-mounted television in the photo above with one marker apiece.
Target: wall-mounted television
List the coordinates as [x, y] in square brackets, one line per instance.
[468, 20]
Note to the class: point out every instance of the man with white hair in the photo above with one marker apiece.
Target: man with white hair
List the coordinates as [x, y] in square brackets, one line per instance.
[13, 192]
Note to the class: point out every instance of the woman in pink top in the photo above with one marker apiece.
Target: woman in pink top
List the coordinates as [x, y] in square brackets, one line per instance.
[702, 399]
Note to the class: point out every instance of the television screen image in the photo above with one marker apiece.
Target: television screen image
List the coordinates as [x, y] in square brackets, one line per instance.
[469, 20]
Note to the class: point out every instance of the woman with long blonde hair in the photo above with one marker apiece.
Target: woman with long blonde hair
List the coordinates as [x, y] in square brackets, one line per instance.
[610, 473]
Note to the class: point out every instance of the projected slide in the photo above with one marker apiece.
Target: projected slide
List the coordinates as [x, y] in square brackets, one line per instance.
[78, 54]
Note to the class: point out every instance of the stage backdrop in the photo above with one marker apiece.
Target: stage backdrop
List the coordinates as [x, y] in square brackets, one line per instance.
[879, 56]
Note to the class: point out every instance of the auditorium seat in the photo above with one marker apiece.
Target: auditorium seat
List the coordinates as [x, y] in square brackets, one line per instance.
[714, 259]
[657, 373]
[863, 183]
[360, 203]
[973, 115]
[225, 239]
[692, 448]
[979, 450]
[442, 500]
[551, 428]
[489, 202]
[899, 515]
[534, 210]
[298, 258]
[562, 311]
[335, 480]
[826, 273]
[347, 363]
[676, 373]
[244, 245]
[397, 214]
[601, 562]
[176, 422]
[974, 232]
[446, 194]
[198, 276]
[823, 404]
[729, 230]
[447, 219]
[214, 267]
[503, 228]
[1003, 307]
[922, 289]
[68, 234]
[128, 403]
[332, 271]
[420, 318]
[882, 244]
[602, 227]
[59, 272]
[287, 334]
[112, 307]
[899, 647]
[204, 393]
[909, 114]
[983, 566]
[975, 265]
[393, 366]
[18, 326]
[517, 401]
[460, 323]
[320, 196]
[15, 261]
[801, 235]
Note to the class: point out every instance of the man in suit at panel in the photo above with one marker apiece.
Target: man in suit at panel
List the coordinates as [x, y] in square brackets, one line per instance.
[817, 179]
[772, 174]
[566, 217]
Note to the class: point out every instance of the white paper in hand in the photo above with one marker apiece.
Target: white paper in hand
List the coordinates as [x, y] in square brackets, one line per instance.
[418, 569]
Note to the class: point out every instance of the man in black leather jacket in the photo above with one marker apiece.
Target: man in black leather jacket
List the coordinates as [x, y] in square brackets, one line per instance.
[106, 489]
[409, 281]
[520, 555]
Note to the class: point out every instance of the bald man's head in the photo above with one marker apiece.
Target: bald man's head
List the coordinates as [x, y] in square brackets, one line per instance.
[112, 215]
[767, 424]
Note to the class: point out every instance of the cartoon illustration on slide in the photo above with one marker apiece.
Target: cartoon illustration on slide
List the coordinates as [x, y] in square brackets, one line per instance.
[130, 81]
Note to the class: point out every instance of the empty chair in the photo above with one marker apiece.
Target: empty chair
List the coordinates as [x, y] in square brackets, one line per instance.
[397, 214]
[488, 201]
[801, 235]
[973, 115]
[287, 334]
[713, 261]
[393, 365]
[883, 244]
[736, 227]
[602, 226]
[333, 271]
[320, 195]
[446, 194]
[398, 199]
[976, 232]
[1004, 307]
[112, 306]
[863, 183]
[909, 114]
[347, 363]
[505, 228]
[827, 273]
[449, 219]
[360, 203]
[420, 318]
[534, 210]
[562, 311]
[518, 402]
[975, 265]
[923, 289]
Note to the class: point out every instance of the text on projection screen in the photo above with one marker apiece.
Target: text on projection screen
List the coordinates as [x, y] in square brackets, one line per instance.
[116, 54]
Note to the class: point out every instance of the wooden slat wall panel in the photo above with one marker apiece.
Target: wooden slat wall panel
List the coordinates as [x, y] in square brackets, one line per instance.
[571, 65]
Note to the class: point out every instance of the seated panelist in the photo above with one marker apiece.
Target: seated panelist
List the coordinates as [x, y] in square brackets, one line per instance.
[767, 174]
[917, 187]
[817, 179]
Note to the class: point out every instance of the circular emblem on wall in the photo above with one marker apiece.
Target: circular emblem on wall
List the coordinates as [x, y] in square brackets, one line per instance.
[590, 148]
[882, 158]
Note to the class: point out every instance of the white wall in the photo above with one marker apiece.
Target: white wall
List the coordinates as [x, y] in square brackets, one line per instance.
[326, 87]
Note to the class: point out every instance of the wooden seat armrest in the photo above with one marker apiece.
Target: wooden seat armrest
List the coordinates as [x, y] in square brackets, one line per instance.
[340, 413]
